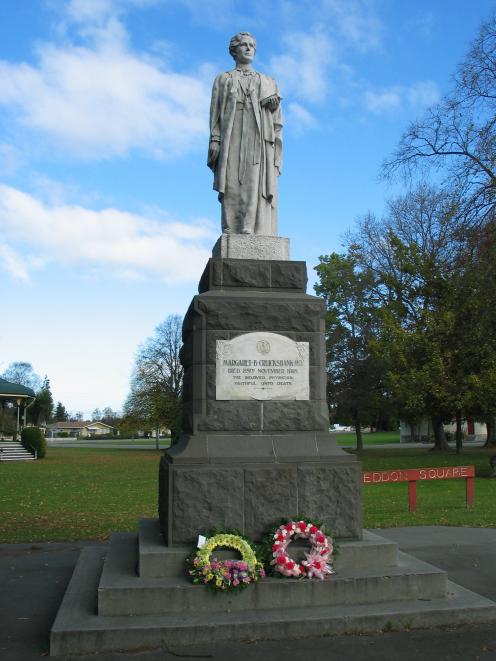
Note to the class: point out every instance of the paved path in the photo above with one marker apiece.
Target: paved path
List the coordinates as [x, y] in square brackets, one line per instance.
[34, 577]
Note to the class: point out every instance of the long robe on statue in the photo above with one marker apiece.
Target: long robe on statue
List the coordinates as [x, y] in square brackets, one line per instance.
[249, 160]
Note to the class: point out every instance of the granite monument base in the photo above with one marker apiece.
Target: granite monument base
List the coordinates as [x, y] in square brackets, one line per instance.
[255, 446]
[136, 595]
[251, 497]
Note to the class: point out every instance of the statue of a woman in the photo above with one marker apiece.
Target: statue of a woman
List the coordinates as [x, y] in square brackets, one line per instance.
[245, 143]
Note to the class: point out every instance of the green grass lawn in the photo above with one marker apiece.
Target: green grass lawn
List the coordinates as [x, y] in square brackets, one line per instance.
[348, 439]
[79, 493]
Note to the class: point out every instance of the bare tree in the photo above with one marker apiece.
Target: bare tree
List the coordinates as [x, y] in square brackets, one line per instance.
[22, 373]
[458, 135]
[157, 380]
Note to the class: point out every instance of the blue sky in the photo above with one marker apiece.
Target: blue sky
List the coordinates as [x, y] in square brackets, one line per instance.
[107, 214]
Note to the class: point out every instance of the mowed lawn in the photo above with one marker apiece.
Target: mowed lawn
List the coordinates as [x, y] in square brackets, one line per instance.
[348, 439]
[77, 493]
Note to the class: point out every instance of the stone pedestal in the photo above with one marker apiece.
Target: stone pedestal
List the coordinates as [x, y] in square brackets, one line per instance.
[251, 246]
[247, 463]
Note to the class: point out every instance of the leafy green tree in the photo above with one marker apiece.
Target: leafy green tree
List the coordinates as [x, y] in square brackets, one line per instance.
[476, 320]
[354, 378]
[412, 252]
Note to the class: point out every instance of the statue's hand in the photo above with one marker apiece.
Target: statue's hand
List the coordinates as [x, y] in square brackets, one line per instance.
[213, 154]
[271, 102]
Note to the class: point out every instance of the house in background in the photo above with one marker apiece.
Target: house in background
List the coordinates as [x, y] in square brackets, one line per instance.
[421, 432]
[83, 429]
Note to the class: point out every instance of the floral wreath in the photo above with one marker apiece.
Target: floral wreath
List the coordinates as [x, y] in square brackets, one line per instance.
[317, 563]
[226, 574]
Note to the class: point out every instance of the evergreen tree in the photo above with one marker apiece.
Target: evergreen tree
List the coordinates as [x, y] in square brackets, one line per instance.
[40, 412]
[60, 414]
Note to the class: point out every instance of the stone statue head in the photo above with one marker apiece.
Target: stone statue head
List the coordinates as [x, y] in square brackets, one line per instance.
[237, 40]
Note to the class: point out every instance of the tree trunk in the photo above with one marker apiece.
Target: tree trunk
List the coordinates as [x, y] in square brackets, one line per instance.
[157, 437]
[491, 432]
[459, 439]
[440, 443]
[358, 432]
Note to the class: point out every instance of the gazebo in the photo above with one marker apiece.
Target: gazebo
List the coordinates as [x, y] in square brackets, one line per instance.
[20, 396]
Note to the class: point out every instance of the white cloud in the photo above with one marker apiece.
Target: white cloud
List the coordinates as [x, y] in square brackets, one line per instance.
[11, 159]
[383, 101]
[302, 68]
[416, 96]
[312, 62]
[103, 99]
[93, 11]
[422, 24]
[423, 94]
[89, 10]
[12, 263]
[356, 21]
[124, 244]
[300, 117]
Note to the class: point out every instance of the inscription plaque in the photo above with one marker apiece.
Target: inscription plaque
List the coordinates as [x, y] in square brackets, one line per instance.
[262, 366]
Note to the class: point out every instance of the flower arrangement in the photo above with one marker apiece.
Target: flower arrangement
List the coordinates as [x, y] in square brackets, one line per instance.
[317, 563]
[225, 574]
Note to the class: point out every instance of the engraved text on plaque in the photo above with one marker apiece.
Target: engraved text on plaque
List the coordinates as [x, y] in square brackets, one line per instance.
[262, 366]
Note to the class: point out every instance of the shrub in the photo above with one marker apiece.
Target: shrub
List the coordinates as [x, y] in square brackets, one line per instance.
[32, 439]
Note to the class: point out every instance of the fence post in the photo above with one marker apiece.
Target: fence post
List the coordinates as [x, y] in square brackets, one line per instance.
[412, 495]
[469, 488]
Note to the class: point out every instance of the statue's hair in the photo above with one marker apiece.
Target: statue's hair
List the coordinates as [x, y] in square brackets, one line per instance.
[236, 40]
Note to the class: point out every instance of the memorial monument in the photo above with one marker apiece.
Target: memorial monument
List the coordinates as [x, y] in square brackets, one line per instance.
[255, 446]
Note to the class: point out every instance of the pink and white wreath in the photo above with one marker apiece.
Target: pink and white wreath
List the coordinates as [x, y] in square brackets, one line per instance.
[317, 563]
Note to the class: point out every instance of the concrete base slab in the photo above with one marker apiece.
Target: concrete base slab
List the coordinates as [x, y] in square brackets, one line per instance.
[78, 630]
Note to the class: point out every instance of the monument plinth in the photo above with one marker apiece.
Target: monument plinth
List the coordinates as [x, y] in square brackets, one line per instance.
[255, 445]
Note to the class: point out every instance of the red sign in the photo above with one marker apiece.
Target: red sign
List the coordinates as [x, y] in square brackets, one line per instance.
[414, 475]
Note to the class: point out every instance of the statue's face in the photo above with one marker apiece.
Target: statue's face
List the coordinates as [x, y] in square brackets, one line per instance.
[245, 50]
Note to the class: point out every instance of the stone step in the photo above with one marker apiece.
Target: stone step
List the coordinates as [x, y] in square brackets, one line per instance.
[123, 592]
[14, 451]
[156, 560]
[78, 630]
